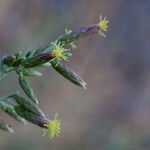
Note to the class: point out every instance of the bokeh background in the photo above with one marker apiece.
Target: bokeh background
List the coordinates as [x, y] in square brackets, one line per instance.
[114, 112]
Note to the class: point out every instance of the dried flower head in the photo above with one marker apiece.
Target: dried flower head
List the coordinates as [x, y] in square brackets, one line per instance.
[59, 52]
[52, 128]
[103, 25]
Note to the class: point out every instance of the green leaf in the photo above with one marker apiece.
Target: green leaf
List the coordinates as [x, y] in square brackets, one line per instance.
[17, 62]
[3, 68]
[29, 72]
[18, 55]
[5, 127]
[34, 52]
[48, 64]
[26, 104]
[25, 85]
[38, 51]
[68, 74]
[9, 60]
[28, 54]
[8, 108]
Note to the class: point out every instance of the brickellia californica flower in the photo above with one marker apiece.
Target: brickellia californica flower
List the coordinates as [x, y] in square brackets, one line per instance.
[52, 55]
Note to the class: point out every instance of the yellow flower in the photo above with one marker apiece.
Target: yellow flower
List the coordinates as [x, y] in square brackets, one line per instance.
[52, 128]
[59, 51]
[103, 25]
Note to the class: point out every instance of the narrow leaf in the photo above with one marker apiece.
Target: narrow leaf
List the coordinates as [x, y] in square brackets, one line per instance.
[31, 73]
[25, 85]
[3, 68]
[38, 51]
[5, 127]
[48, 64]
[9, 60]
[8, 108]
[18, 60]
[27, 104]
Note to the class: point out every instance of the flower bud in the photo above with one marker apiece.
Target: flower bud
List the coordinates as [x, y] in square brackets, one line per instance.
[68, 74]
[38, 60]
[34, 118]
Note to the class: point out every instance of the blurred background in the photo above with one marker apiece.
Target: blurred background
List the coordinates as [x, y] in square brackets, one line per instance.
[114, 112]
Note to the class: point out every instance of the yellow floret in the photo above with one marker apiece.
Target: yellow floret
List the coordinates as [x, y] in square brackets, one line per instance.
[52, 128]
[59, 52]
[103, 25]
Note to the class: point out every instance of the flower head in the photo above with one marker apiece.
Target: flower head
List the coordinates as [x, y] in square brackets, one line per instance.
[103, 25]
[60, 52]
[52, 128]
